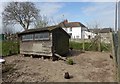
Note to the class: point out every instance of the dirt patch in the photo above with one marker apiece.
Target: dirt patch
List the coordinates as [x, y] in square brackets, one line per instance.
[88, 67]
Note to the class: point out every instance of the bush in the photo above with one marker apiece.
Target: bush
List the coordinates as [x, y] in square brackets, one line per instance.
[9, 48]
[70, 61]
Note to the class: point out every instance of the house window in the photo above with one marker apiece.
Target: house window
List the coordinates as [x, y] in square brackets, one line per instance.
[77, 37]
[42, 36]
[70, 28]
[70, 34]
[89, 36]
[27, 37]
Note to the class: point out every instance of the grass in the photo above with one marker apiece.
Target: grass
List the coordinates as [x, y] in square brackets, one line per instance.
[70, 61]
[79, 46]
[0, 48]
[9, 48]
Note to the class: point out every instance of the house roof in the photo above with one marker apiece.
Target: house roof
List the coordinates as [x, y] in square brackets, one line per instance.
[71, 24]
[49, 28]
[94, 30]
[104, 30]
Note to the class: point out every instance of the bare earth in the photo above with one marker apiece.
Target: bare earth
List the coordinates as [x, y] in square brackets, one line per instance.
[88, 67]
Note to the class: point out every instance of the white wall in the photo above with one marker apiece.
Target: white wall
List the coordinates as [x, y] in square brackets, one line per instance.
[86, 34]
[76, 32]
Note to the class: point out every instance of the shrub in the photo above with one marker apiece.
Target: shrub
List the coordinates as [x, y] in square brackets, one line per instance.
[9, 48]
[70, 61]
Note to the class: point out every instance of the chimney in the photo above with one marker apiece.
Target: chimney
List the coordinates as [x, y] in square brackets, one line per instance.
[65, 21]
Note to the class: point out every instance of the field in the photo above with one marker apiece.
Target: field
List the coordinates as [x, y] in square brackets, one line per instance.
[88, 67]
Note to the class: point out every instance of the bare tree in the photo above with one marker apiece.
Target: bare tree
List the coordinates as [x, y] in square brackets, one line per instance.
[23, 13]
[41, 21]
[95, 25]
[8, 29]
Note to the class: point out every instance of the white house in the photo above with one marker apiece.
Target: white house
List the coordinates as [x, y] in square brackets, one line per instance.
[89, 35]
[76, 30]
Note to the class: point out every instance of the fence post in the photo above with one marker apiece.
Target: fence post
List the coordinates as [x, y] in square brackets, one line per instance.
[83, 44]
[112, 36]
[99, 41]
[118, 55]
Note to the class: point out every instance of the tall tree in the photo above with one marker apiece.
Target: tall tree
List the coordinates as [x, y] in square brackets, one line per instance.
[41, 21]
[8, 29]
[23, 13]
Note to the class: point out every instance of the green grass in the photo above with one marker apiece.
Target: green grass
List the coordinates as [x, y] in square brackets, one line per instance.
[79, 46]
[12, 47]
[9, 48]
[0, 48]
[76, 45]
[70, 61]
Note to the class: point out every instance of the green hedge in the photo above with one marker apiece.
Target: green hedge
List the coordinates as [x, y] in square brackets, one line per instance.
[79, 46]
[9, 48]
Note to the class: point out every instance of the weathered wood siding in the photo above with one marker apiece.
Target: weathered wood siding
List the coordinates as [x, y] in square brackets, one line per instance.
[37, 47]
[57, 41]
[60, 42]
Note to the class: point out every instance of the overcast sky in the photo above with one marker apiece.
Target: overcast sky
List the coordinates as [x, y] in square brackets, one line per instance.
[84, 11]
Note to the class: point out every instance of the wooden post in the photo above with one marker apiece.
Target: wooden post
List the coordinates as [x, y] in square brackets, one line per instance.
[113, 54]
[99, 43]
[112, 43]
[83, 44]
[118, 55]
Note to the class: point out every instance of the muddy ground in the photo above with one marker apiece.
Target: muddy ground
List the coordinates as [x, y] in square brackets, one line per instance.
[88, 67]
